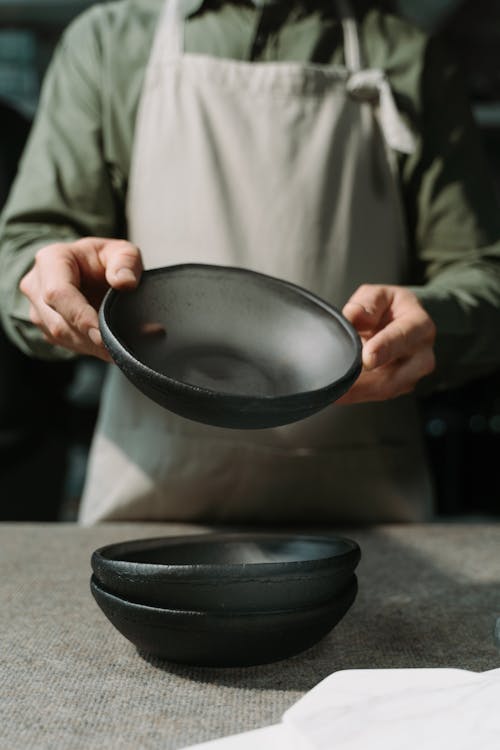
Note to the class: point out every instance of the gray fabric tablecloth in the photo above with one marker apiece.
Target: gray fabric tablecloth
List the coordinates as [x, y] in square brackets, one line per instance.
[429, 597]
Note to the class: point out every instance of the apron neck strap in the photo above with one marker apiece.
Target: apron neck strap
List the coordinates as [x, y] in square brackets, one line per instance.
[352, 46]
[169, 40]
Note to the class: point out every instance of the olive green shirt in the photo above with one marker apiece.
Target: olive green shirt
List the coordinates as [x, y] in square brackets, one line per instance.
[73, 177]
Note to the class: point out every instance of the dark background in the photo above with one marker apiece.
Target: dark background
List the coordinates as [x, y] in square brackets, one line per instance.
[47, 412]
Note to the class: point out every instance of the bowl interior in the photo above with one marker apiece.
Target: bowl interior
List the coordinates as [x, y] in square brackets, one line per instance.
[232, 331]
[240, 550]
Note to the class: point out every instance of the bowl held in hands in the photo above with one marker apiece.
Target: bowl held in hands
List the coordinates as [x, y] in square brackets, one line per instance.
[230, 347]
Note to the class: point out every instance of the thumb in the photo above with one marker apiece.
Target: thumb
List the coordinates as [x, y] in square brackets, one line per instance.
[122, 263]
[367, 307]
[361, 318]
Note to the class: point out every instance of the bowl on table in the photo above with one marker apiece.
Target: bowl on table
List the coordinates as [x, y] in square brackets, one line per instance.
[222, 638]
[228, 571]
[226, 599]
[230, 347]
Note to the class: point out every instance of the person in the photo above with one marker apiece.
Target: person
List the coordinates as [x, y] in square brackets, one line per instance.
[330, 145]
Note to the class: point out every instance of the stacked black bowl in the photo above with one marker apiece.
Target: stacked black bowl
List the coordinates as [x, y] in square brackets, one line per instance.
[229, 599]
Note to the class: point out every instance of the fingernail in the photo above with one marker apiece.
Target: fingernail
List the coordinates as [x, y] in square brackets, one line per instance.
[371, 360]
[95, 336]
[126, 275]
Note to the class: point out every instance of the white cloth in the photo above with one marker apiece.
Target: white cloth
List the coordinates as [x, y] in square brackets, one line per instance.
[386, 709]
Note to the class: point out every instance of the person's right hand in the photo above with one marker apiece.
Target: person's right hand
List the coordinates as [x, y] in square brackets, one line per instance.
[67, 283]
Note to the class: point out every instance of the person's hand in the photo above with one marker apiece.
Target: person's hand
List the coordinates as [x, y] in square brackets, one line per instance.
[398, 337]
[66, 285]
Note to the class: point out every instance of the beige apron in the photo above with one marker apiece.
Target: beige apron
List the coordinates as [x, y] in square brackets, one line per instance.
[283, 168]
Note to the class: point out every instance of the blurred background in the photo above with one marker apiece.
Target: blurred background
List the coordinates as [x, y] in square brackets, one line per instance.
[48, 412]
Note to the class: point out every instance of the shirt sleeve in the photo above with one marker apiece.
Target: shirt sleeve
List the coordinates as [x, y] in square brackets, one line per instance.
[454, 220]
[63, 190]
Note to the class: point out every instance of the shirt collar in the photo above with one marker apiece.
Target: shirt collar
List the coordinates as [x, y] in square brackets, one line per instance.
[189, 7]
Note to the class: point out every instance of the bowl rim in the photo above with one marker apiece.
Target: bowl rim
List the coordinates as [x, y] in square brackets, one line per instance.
[246, 571]
[135, 611]
[124, 357]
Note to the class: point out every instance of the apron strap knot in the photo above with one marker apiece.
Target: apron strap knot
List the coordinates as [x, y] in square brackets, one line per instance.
[373, 87]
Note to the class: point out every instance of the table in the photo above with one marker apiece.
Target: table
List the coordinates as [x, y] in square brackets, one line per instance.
[429, 597]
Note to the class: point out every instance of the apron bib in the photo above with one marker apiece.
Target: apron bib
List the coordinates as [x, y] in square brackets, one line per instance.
[286, 169]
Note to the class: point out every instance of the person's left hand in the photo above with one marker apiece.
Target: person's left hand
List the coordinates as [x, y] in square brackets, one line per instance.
[398, 338]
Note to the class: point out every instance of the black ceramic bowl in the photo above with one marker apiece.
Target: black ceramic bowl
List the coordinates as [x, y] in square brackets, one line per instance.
[217, 572]
[222, 639]
[230, 347]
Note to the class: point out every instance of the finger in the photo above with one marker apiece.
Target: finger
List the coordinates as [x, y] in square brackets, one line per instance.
[28, 285]
[58, 332]
[58, 280]
[391, 381]
[368, 305]
[57, 306]
[399, 339]
[56, 319]
[122, 263]
[35, 317]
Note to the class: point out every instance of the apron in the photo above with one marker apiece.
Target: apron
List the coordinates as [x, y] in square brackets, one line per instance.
[286, 169]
